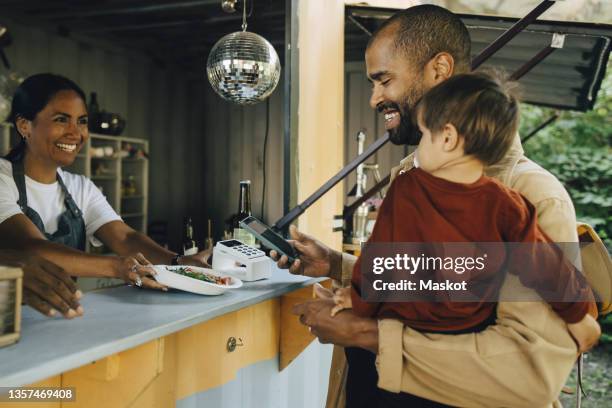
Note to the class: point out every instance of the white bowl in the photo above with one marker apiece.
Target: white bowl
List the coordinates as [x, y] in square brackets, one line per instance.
[167, 277]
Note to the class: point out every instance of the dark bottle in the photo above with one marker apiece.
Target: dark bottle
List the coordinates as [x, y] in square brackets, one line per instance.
[93, 111]
[189, 245]
[244, 210]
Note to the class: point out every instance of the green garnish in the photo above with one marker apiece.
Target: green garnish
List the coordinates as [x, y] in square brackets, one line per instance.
[203, 276]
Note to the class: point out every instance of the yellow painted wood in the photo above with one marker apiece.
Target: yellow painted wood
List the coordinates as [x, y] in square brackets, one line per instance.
[203, 359]
[320, 147]
[116, 381]
[162, 392]
[160, 372]
[294, 337]
[106, 369]
[262, 339]
[49, 382]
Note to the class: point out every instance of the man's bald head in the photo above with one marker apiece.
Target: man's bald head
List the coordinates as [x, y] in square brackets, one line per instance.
[421, 32]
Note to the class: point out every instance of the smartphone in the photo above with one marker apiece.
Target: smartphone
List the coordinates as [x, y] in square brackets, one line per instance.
[269, 237]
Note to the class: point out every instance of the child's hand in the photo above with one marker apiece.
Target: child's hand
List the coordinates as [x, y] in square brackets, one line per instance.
[321, 292]
[585, 333]
[342, 299]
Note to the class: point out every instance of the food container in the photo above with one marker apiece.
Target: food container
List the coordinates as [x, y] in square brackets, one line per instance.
[10, 304]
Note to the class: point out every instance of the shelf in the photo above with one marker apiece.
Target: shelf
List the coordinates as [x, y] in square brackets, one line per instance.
[132, 215]
[129, 160]
[104, 178]
[104, 158]
[111, 138]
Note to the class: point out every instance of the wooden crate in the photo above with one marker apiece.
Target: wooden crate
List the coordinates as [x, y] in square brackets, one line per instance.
[10, 304]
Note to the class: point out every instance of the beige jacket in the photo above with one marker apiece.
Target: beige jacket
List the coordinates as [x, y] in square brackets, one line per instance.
[521, 361]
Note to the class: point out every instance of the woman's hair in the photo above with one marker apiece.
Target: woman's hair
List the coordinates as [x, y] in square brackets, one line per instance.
[31, 96]
[481, 106]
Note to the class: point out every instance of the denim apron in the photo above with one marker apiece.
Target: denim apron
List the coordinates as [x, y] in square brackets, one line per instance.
[70, 225]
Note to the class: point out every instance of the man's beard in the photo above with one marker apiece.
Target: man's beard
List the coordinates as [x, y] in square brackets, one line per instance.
[407, 133]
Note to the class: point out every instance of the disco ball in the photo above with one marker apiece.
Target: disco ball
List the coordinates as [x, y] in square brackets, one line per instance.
[243, 67]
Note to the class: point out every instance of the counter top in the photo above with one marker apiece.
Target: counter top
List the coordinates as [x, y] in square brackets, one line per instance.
[118, 319]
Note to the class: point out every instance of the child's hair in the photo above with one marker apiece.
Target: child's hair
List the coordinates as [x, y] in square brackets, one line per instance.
[480, 106]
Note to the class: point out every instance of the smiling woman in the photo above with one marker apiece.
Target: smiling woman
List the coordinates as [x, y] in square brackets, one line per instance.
[51, 212]
[54, 132]
[64, 135]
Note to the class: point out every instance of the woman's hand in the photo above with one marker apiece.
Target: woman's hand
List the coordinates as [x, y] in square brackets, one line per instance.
[200, 259]
[137, 270]
[46, 287]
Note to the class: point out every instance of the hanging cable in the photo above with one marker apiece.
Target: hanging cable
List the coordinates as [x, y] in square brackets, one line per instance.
[265, 149]
[244, 23]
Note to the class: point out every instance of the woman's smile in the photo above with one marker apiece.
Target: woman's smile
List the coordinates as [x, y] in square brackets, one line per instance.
[69, 148]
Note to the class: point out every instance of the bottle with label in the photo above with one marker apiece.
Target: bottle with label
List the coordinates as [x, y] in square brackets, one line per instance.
[189, 245]
[244, 210]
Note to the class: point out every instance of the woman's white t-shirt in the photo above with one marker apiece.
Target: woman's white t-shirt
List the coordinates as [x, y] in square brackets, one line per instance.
[48, 200]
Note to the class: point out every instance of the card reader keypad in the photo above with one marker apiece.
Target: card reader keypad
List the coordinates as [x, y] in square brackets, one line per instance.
[249, 251]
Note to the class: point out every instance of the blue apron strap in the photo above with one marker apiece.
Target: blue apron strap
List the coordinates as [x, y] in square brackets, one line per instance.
[70, 204]
[19, 178]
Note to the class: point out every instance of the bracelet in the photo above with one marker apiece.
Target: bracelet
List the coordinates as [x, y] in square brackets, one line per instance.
[175, 259]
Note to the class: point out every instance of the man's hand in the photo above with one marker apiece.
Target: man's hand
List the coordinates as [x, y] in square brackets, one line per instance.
[46, 287]
[345, 329]
[585, 333]
[200, 259]
[315, 258]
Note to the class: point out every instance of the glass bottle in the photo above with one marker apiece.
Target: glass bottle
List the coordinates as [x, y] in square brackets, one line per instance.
[189, 245]
[244, 210]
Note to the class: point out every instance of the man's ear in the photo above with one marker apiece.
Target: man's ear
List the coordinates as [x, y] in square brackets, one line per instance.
[24, 127]
[438, 69]
[452, 140]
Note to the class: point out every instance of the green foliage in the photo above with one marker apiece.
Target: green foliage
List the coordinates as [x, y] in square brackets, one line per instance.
[577, 148]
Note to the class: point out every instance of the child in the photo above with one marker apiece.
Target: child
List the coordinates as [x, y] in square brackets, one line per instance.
[467, 122]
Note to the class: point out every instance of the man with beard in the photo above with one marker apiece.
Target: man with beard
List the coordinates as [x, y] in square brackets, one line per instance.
[524, 358]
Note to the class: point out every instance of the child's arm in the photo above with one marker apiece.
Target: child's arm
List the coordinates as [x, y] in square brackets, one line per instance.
[342, 299]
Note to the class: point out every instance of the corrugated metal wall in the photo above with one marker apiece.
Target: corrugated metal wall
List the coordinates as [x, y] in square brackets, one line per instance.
[233, 151]
[158, 104]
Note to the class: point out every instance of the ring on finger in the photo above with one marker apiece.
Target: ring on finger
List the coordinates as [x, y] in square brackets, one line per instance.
[138, 282]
